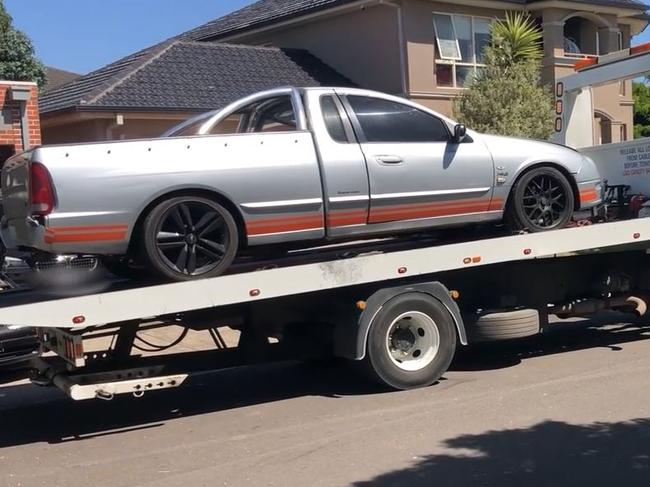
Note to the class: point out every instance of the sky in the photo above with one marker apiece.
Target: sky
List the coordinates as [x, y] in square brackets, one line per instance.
[83, 35]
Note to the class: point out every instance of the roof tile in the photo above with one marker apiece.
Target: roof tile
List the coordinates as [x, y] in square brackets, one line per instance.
[191, 76]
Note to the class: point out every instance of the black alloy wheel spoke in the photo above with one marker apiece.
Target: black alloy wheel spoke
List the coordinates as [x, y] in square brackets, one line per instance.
[205, 220]
[181, 261]
[187, 215]
[214, 225]
[191, 260]
[178, 219]
[220, 249]
[192, 248]
[544, 201]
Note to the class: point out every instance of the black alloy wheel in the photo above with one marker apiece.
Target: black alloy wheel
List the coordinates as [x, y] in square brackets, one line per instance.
[190, 237]
[541, 200]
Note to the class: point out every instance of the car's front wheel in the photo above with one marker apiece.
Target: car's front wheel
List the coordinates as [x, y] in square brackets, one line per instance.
[541, 200]
[189, 237]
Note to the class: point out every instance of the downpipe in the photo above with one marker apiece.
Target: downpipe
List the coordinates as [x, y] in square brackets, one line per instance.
[581, 307]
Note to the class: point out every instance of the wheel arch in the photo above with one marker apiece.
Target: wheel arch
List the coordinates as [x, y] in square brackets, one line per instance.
[190, 191]
[351, 342]
[555, 165]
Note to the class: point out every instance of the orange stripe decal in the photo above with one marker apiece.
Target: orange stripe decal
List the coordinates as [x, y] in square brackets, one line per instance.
[431, 210]
[86, 233]
[345, 218]
[281, 225]
[84, 237]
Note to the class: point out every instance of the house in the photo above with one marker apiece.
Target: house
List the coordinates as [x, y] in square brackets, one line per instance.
[19, 120]
[146, 93]
[421, 49]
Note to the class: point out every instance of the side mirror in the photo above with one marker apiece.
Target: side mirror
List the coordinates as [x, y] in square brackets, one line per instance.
[460, 131]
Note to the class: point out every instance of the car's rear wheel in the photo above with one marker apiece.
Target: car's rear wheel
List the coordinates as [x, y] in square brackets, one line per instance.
[541, 200]
[189, 237]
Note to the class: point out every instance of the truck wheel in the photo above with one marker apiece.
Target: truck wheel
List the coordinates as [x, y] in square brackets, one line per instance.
[189, 237]
[507, 325]
[541, 200]
[411, 342]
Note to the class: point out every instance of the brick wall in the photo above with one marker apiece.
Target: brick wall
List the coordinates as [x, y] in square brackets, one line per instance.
[10, 116]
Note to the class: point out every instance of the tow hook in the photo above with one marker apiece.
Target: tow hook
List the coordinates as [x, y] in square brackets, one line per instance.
[104, 395]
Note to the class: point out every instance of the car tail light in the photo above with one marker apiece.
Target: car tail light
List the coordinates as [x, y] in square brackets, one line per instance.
[42, 191]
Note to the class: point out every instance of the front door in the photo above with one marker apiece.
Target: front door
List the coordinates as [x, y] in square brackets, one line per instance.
[415, 170]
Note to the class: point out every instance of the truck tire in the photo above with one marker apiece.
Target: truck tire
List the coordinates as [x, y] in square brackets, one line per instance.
[505, 325]
[411, 342]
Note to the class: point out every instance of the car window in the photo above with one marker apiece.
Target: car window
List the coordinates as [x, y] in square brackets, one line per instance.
[274, 115]
[332, 119]
[388, 121]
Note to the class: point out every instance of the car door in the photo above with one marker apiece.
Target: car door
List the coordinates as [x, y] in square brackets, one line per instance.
[416, 171]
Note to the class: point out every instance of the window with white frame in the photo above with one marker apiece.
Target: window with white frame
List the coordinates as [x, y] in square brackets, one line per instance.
[460, 41]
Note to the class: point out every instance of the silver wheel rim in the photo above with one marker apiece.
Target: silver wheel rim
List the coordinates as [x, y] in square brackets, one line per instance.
[412, 341]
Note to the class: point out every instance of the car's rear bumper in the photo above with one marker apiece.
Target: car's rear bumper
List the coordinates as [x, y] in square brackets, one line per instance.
[27, 236]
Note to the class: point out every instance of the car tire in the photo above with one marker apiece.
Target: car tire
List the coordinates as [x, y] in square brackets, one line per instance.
[189, 237]
[412, 315]
[541, 200]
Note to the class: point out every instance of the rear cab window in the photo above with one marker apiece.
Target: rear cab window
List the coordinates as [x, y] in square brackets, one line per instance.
[333, 120]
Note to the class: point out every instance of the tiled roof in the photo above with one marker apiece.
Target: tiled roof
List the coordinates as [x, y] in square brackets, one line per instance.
[58, 77]
[193, 76]
[267, 12]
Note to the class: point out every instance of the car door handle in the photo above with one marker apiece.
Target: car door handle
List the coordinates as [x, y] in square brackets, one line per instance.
[390, 159]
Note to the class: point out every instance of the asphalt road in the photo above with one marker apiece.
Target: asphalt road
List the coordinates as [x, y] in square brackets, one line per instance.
[571, 407]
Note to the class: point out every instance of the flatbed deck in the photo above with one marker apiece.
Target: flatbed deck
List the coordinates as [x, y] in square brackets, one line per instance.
[115, 305]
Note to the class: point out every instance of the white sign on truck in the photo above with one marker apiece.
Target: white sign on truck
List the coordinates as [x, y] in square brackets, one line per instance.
[624, 163]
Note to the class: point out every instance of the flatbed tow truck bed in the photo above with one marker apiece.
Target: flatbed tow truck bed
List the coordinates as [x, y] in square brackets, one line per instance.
[343, 290]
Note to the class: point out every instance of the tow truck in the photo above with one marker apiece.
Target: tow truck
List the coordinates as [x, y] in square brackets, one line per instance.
[399, 306]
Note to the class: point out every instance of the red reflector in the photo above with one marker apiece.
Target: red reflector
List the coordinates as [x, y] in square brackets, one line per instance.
[77, 320]
[585, 63]
[42, 191]
[254, 293]
[527, 251]
[78, 350]
[637, 236]
[402, 270]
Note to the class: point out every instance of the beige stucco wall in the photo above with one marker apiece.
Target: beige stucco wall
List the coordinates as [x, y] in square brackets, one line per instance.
[420, 38]
[84, 131]
[363, 45]
[93, 130]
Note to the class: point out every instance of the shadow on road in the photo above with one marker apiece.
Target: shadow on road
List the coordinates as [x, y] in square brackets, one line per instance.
[29, 414]
[608, 331]
[547, 454]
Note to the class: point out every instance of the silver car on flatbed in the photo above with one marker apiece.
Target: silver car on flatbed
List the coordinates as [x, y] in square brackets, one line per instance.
[282, 166]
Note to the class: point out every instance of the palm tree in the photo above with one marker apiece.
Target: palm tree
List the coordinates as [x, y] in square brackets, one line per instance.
[516, 38]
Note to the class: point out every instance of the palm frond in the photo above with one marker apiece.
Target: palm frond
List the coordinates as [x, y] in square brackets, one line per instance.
[517, 38]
